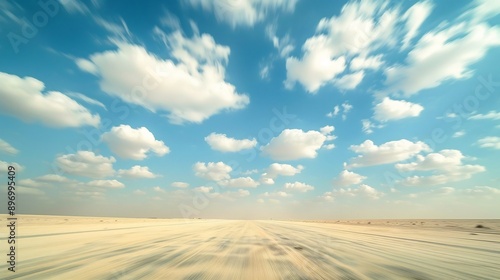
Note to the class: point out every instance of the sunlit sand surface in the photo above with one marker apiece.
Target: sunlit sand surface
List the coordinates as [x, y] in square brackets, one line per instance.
[55, 247]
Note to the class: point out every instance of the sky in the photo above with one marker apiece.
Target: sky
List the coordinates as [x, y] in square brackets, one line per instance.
[251, 109]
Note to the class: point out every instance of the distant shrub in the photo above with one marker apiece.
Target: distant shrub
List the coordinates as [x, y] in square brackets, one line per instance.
[481, 226]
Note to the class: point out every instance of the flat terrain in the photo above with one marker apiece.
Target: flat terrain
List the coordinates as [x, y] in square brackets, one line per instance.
[55, 247]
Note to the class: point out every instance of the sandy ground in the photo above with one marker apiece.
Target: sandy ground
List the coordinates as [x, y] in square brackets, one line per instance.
[51, 247]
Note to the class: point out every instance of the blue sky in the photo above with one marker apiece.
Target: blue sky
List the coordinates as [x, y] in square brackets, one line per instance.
[252, 109]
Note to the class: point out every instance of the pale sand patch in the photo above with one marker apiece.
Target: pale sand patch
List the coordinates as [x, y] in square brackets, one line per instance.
[56, 247]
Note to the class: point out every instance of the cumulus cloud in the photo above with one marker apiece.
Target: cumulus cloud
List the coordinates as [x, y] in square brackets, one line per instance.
[458, 134]
[347, 178]
[298, 187]
[87, 164]
[181, 185]
[137, 171]
[131, 143]
[241, 182]
[489, 142]
[113, 184]
[244, 12]
[158, 189]
[191, 88]
[446, 165]
[278, 194]
[276, 169]
[393, 151]
[283, 45]
[222, 143]
[203, 189]
[294, 144]
[7, 148]
[212, 171]
[363, 190]
[325, 54]
[414, 17]
[51, 108]
[362, 62]
[389, 110]
[441, 55]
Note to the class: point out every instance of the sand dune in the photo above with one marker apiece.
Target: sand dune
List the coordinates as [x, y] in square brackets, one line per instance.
[52, 247]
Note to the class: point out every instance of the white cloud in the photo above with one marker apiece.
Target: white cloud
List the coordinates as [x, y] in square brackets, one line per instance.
[459, 133]
[350, 81]
[139, 192]
[158, 189]
[86, 66]
[362, 26]
[346, 109]
[276, 169]
[368, 126]
[212, 171]
[51, 108]
[203, 189]
[86, 99]
[191, 90]
[371, 62]
[7, 148]
[241, 182]
[85, 163]
[491, 115]
[334, 113]
[389, 110]
[446, 165]
[393, 151]
[327, 196]
[315, 69]
[179, 185]
[482, 191]
[294, 144]
[299, 187]
[137, 171]
[74, 6]
[244, 12]
[222, 143]
[347, 178]
[231, 195]
[278, 194]
[283, 45]
[363, 190]
[131, 143]
[327, 130]
[489, 142]
[441, 55]
[414, 17]
[113, 184]
[329, 146]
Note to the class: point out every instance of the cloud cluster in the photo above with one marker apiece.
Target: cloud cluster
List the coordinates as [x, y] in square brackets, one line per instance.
[131, 143]
[87, 164]
[191, 88]
[137, 171]
[276, 169]
[243, 12]
[293, 144]
[51, 108]
[222, 143]
[389, 152]
[446, 165]
[213, 171]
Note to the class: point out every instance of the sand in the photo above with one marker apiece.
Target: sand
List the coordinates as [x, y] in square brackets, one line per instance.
[55, 247]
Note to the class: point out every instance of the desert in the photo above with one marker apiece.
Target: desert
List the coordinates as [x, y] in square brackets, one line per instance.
[66, 247]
